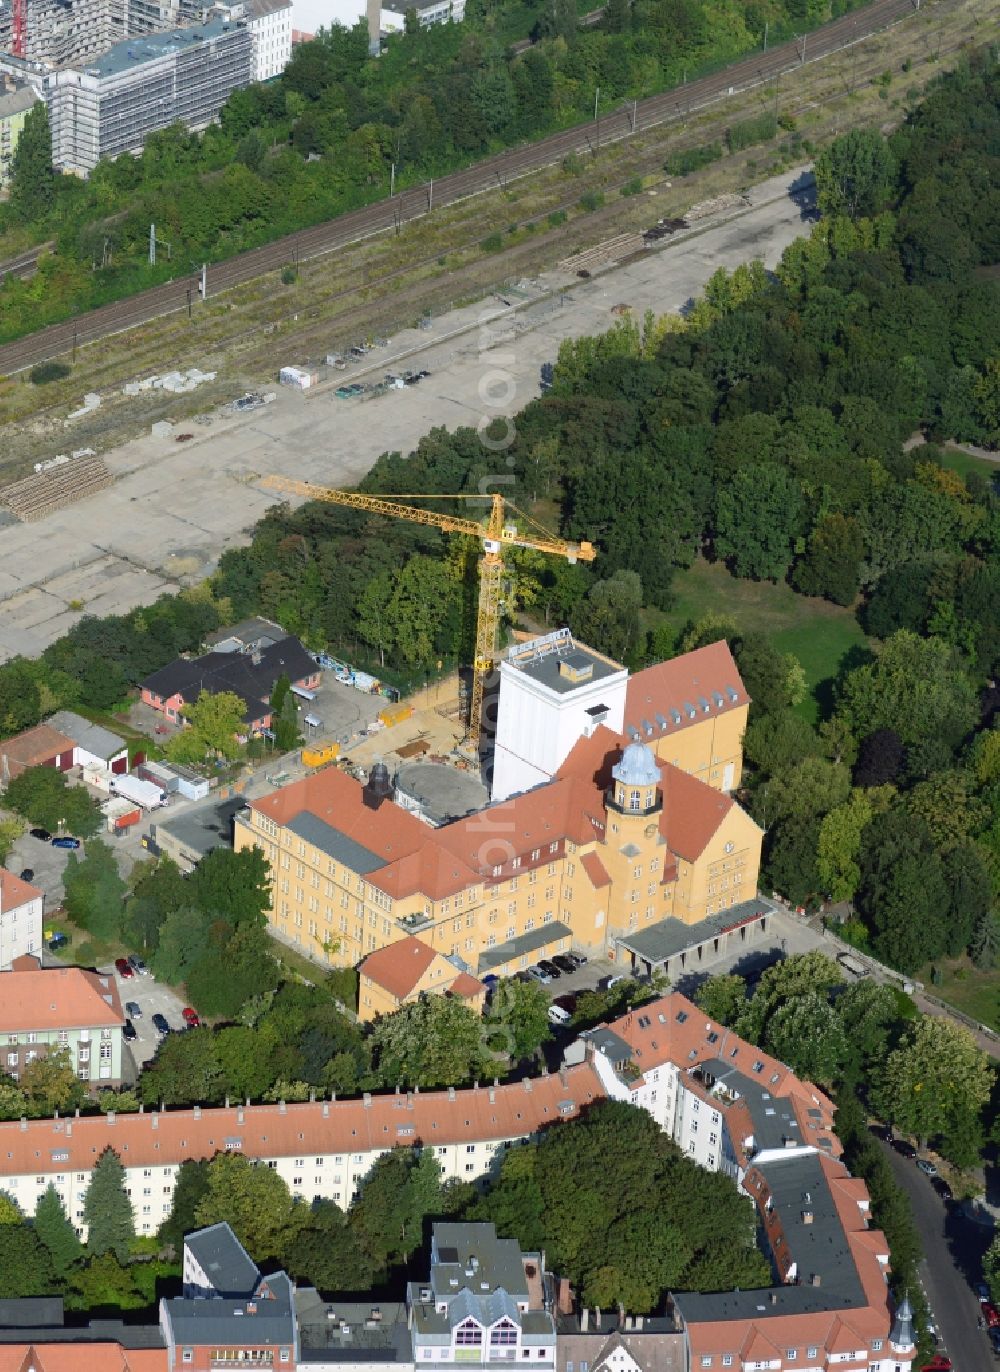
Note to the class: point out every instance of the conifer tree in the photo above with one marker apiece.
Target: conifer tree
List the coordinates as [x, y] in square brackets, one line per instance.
[56, 1232]
[107, 1210]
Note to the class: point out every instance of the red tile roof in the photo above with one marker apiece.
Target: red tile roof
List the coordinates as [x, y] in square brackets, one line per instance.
[74, 1357]
[34, 748]
[398, 966]
[692, 812]
[58, 998]
[466, 986]
[165, 1138]
[14, 892]
[683, 682]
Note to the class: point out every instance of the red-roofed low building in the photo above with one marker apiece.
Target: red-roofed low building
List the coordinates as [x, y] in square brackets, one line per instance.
[402, 972]
[22, 916]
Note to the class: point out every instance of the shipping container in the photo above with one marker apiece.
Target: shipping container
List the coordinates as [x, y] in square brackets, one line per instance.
[395, 714]
[319, 754]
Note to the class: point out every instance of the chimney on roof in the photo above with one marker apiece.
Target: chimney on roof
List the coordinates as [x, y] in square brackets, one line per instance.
[563, 1076]
[282, 1108]
[366, 1100]
[24, 1124]
[817, 1279]
[69, 1129]
[773, 1297]
[451, 1093]
[227, 1102]
[197, 1112]
[584, 1320]
[493, 1095]
[622, 1321]
[378, 787]
[333, 1095]
[239, 1114]
[312, 1097]
[807, 1217]
[111, 1116]
[154, 1119]
[597, 1317]
[637, 1323]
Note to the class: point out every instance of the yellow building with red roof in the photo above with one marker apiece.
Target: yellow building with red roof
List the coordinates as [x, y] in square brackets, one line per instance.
[621, 852]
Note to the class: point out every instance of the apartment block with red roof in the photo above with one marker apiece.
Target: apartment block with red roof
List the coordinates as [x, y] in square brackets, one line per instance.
[43, 1010]
[22, 916]
[322, 1148]
[732, 1108]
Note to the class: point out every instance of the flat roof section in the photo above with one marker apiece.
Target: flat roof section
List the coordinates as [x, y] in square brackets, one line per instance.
[134, 52]
[557, 661]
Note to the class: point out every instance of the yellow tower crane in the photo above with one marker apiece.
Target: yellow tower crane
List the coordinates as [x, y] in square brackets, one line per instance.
[496, 532]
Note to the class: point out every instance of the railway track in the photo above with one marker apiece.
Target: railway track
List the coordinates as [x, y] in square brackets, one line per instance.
[414, 203]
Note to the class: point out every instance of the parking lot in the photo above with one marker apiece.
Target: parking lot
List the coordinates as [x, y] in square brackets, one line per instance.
[45, 862]
[345, 712]
[152, 998]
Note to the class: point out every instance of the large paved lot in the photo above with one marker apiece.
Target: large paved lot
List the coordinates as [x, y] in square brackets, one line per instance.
[175, 507]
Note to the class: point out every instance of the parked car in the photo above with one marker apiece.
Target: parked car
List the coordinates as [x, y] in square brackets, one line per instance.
[939, 1363]
[942, 1188]
[606, 983]
[549, 966]
[42, 835]
[540, 974]
[564, 963]
[123, 969]
[557, 1015]
[160, 1024]
[982, 1292]
[133, 1009]
[138, 966]
[579, 958]
[65, 842]
[995, 1341]
[927, 1167]
[992, 1315]
[129, 1031]
[190, 1017]
[27, 874]
[904, 1149]
[58, 941]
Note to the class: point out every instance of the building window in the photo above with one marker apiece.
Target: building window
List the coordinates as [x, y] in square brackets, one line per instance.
[188, 1355]
[876, 1345]
[469, 1334]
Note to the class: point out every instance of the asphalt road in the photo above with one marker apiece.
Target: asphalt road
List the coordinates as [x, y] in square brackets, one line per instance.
[151, 996]
[953, 1247]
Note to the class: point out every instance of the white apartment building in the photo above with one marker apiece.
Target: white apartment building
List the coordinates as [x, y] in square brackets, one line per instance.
[143, 84]
[320, 1148]
[22, 910]
[270, 25]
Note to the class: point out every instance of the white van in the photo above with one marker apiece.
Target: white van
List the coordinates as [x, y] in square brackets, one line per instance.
[557, 1015]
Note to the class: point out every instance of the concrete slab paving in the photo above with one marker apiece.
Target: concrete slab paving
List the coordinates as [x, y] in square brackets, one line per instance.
[175, 507]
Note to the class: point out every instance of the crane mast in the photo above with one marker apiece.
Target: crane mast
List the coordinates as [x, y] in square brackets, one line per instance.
[492, 534]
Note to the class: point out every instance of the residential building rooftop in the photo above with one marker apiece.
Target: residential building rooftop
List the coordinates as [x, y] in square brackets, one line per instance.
[250, 675]
[352, 1331]
[14, 891]
[223, 1259]
[38, 998]
[16, 101]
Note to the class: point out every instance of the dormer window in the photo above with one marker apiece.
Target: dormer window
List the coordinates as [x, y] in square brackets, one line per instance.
[468, 1334]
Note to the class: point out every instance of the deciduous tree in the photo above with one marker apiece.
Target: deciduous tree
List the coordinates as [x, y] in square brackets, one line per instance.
[936, 1074]
[254, 1200]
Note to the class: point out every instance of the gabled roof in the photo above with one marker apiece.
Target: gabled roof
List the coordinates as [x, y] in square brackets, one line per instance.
[58, 998]
[164, 1138]
[265, 1319]
[398, 966]
[223, 1259]
[664, 696]
[251, 677]
[692, 812]
[595, 869]
[91, 737]
[14, 892]
[34, 748]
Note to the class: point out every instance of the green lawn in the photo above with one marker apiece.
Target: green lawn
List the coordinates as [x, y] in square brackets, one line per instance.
[975, 993]
[964, 463]
[820, 635]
